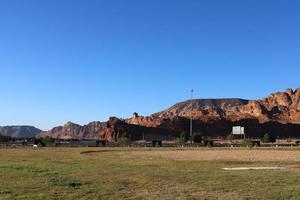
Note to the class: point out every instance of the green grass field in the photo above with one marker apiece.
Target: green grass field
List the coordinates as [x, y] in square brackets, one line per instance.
[66, 173]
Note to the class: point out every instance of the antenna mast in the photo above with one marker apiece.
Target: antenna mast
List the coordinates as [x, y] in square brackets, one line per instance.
[191, 119]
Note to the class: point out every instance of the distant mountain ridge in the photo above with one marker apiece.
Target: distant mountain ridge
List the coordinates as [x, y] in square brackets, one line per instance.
[19, 131]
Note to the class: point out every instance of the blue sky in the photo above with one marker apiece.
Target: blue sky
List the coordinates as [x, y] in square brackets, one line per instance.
[81, 61]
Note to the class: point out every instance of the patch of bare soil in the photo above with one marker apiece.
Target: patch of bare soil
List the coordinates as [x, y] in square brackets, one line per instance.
[297, 168]
[221, 155]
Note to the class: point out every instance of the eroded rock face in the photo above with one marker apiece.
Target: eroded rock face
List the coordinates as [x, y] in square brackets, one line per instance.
[296, 100]
[281, 106]
[72, 130]
[217, 116]
[109, 131]
[278, 114]
[145, 121]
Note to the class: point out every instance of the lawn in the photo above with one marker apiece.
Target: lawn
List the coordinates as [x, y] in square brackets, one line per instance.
[116, 173]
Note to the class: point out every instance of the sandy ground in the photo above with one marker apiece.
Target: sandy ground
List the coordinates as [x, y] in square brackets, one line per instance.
[221, 155]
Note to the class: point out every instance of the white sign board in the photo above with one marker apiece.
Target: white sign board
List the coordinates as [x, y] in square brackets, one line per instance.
[238, 130]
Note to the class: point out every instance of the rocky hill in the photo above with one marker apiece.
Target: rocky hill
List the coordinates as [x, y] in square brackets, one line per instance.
[109, 131]
[19, 131]
[282, 107]
[277, 114]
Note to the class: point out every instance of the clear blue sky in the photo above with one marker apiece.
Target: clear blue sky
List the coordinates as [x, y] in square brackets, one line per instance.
[81, 61]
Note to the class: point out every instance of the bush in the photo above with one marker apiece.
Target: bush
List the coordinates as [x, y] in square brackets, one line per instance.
[197, 137]
[123, 141]
[230, 137]
[182, 139]
[209, 143]
[4, 138]
[267, 138]
[183, 136]
[247, 142]
[48, 140]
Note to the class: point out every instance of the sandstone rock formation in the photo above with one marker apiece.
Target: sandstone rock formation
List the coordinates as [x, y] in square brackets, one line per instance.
[281, 107]
[278, 114]
[109, 131]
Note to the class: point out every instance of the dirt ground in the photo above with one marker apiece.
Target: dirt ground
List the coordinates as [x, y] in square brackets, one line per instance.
[221, 155]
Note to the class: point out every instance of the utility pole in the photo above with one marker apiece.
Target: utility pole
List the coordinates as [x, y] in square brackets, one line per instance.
[191, 119]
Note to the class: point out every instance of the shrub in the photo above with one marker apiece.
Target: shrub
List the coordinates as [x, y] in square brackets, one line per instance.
[197, 137]
[208, 143]
[123, 141]
[182, 139]
[183, 136]
[247, 142]
[267, 138]
[48, 140]
[230, 137]
[4, 138]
